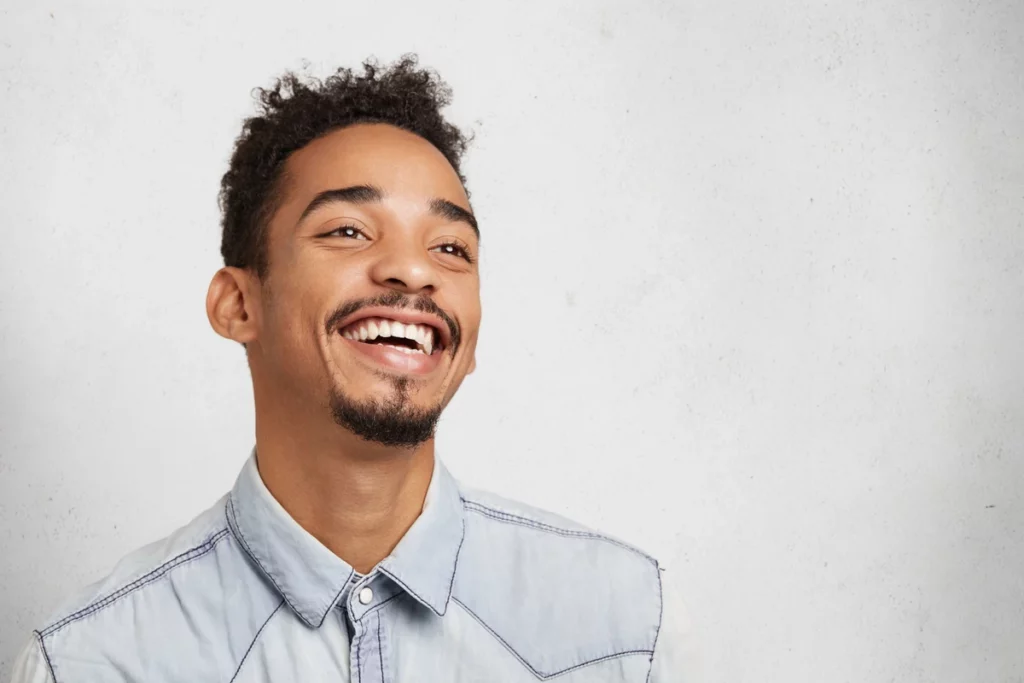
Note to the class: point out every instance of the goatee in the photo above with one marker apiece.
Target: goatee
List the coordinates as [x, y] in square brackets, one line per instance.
[389, 422]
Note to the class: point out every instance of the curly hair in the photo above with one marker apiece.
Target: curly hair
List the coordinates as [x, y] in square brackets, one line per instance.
[295, 112]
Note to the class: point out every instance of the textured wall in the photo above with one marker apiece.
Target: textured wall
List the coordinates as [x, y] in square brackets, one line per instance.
[752, 298]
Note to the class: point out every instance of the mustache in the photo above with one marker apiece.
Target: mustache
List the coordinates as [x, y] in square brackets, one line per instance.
[397, 300]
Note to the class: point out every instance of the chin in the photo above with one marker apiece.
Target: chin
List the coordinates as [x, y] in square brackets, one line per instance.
[390, 419]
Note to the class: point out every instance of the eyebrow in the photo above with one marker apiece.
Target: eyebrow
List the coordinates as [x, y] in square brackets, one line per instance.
[356, 194]
[453, 212]
[371, 194]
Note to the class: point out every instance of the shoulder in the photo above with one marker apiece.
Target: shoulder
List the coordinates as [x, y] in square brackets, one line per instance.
[508, 511]
[558, 594]
[141, 567]
[170, 590]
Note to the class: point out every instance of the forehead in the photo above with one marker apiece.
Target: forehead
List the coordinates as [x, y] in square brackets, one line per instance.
[401, 163]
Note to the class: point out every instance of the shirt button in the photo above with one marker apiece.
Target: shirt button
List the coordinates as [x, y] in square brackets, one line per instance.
[366, 596]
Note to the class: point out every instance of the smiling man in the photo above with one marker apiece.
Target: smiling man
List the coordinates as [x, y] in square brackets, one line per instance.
[346, 551]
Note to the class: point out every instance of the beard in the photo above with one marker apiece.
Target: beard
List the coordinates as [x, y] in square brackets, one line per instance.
[392, 421]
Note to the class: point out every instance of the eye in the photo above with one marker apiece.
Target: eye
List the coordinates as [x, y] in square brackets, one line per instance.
[346, 231]
[455, 249]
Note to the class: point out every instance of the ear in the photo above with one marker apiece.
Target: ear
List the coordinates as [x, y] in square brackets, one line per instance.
[472, 365]
[231, 303]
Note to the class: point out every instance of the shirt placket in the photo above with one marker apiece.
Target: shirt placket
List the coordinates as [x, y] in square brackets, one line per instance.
[369, 649]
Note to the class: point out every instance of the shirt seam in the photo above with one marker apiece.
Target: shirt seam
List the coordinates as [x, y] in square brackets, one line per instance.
[535, 672]
[193, 553]
[508, 517]
[254, 639]
[386, 572]
[380, 648]
[46, 656]
[381, 604]
[455, 563]
[359, 647]
[661, 618]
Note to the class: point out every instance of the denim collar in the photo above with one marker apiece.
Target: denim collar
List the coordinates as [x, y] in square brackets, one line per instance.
[311, 578]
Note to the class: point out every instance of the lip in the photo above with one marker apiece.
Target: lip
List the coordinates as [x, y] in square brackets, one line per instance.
[402, 315]
[392, 358]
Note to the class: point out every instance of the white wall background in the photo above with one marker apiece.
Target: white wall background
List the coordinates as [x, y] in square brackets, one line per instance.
[753, 294]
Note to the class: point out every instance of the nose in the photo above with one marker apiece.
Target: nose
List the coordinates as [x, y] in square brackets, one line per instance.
[406, 266]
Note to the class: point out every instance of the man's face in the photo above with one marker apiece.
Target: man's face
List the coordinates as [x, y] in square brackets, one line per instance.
[374, 229]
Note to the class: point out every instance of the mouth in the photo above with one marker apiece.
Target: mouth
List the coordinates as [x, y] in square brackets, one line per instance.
[405, 341]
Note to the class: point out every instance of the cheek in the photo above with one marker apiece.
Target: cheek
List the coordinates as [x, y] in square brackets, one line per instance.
[469, 307]
[290, 319]
[473, 325]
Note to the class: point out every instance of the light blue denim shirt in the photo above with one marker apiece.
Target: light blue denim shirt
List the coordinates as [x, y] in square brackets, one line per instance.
[480, 588]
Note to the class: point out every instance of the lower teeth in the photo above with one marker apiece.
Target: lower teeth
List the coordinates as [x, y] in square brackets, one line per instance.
[405, 349]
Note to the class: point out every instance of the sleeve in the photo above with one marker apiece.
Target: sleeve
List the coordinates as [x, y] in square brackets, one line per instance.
[31, 666]
[677, 655]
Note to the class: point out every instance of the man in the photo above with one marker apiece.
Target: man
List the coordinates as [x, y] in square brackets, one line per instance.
[345, 550]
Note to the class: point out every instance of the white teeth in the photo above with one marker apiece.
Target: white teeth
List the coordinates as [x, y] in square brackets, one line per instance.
[420, 336]
[425, 336]
[405, 349]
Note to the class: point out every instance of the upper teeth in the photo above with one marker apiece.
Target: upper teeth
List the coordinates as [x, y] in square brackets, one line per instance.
[371, 328]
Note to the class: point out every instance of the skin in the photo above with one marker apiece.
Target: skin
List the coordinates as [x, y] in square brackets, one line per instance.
[355, 496]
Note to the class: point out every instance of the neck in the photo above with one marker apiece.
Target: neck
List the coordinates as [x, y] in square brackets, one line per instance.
[355, 497]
